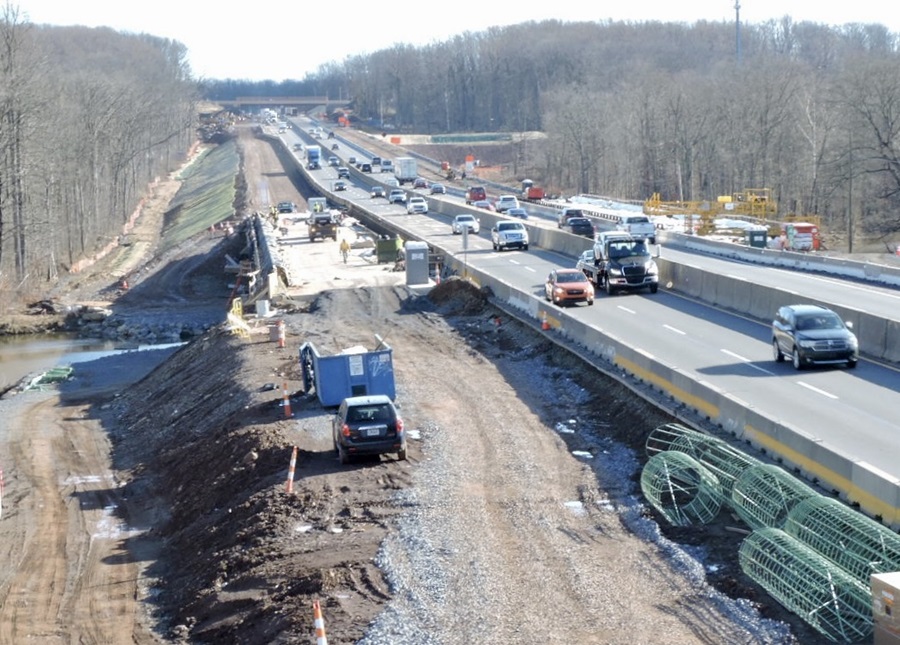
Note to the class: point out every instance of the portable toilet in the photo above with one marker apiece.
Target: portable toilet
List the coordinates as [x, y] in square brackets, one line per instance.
[416, 262]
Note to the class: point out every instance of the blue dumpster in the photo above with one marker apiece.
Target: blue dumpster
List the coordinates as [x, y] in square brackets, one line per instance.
[353, 372]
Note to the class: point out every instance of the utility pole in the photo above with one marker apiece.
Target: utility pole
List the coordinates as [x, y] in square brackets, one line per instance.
[737, 30]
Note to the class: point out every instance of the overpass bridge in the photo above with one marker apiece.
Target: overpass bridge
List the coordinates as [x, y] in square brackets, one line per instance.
[258, 102]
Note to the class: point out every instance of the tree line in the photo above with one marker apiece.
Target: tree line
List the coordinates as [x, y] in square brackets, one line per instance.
[88, 119]
[809, 111]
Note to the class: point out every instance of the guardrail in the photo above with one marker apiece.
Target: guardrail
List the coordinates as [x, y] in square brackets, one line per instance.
[875, 492]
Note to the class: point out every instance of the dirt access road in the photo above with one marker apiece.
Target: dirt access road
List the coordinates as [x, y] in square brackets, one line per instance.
[157, 512]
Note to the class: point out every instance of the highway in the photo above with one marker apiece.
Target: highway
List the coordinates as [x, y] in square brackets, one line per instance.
[856, 412]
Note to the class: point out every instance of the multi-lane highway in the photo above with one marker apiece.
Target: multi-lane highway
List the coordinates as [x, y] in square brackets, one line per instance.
[855, 412]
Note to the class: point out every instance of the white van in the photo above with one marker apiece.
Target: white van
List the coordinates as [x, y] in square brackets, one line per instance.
[387, 165]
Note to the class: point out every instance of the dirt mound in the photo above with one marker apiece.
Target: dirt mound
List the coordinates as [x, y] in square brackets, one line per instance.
[459, 296]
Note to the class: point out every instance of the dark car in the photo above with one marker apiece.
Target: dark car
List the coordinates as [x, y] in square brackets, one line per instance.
[376, 161]
[813, 335]
[579, 226]
[521, 213]
[366, 167]
[438, 189]
[368, 425]
[377, 191]
[420, 182]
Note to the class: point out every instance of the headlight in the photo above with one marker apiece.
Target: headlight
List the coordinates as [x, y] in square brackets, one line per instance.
[806, 344]
[854, 343]
[651, 268]
[616, 272]
[558, 289]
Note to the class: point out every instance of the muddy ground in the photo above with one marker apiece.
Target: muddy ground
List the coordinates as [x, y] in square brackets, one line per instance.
[154, 508]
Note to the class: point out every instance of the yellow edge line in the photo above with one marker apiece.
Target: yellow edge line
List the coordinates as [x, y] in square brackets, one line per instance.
[707, 408]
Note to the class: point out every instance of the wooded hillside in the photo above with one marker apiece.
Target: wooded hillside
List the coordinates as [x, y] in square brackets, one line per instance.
[809, 111]
[88, 118]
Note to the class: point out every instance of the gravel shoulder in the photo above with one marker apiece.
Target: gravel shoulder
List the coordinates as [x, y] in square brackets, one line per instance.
[515, 519]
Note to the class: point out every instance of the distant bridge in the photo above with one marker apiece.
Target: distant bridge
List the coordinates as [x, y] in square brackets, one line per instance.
[283, 101]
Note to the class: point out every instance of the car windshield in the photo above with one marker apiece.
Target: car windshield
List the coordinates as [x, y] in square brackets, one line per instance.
[510, 226]
[465, 218]
[579, 221]
[819, 321]
[570, 277]
[626, 249]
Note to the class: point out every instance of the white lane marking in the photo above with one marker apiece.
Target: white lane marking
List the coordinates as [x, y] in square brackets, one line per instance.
[746, 361]
[817, 390]
[530, 269]
[627, 310]
[677, 331]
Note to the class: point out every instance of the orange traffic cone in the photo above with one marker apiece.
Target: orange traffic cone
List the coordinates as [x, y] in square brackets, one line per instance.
[319, 622]
[545, 326]
[287, 403]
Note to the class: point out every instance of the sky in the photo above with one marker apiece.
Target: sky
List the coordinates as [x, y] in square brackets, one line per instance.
[286, 40]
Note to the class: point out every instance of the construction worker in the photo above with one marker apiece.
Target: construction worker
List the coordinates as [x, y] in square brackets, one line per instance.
[345, 249]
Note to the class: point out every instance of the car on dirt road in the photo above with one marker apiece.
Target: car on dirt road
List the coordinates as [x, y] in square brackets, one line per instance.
[568, 286]
[463, 222]
[368, 425]
[286, 207]
[813, 335]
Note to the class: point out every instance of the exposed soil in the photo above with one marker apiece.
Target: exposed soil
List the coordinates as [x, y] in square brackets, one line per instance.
[144, 508]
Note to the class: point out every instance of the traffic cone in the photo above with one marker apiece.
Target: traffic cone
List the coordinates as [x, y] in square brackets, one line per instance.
[319, 622]
[281, 334]
[545, 326]
[289, 484]
[287, 403]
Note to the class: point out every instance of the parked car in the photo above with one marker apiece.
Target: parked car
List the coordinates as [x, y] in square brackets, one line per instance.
[485, 204]
[417, 205]
[420, 182]
[509, 233]
[568, 286]
[465, 221]
[521, 213]
[475, 194]
[579, 226]
[438, 189]
[368, 425]
[339, 185]
[377, 191]
[813, 335]
[343, 172]
[505, 202]
[334, 162]
[397, 196]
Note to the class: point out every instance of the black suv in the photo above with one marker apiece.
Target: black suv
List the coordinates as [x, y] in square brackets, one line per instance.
[368, 425]
[813, 335]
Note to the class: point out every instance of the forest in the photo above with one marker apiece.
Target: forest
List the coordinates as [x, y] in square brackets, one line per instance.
[689, 111]
[89, 117]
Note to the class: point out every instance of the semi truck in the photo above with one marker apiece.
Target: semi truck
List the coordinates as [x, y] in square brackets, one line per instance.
[313, 157]
[620, 262]
[405, 170]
